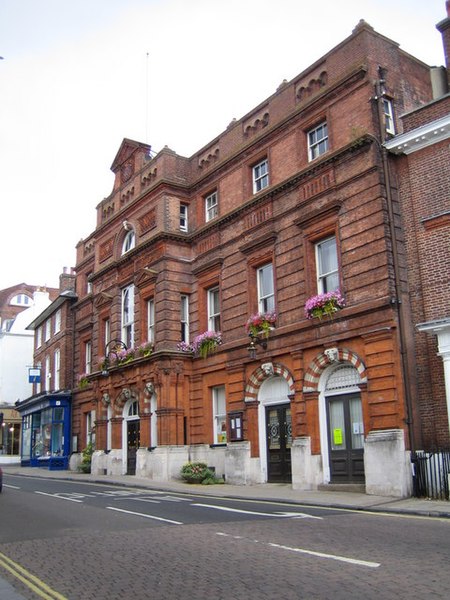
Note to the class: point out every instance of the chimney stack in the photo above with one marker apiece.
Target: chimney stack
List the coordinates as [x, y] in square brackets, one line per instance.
[444, 28]
[67, 280]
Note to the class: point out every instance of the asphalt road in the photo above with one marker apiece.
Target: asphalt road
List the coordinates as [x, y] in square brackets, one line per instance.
[83, 540]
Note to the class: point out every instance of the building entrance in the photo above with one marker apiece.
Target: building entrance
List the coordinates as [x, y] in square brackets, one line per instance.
[279, 442]
[345, 438]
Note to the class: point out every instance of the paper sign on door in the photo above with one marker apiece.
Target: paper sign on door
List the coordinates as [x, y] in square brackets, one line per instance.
[337, 437]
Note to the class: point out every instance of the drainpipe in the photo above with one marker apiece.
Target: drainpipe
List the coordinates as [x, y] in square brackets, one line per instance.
[397, 300]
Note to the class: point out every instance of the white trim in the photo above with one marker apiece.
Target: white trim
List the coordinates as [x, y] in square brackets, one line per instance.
[421, 137]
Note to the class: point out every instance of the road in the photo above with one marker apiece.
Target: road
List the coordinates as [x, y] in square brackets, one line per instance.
[88, 541]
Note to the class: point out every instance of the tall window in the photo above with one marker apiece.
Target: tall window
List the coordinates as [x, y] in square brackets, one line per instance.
[129, 242]
[219, 415]
[260, 176]
[184, 318]
[90, 428]
[48, 329]
[38, 337]
[317, 141]
[88, 358]
[266, 296]
[58, 321]
[128, 316]
[48, 374]
[211, 206]
[151, 320]
[388, 116]
[183, 217]
[57, 369]
[213, 309]
[327, 265]
[106, 332]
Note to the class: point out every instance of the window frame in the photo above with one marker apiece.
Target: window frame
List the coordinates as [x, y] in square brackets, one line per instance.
[127, 308]
[314, 146]
[150, 307]
[184, 223]
[219, 414]
[322, 276]
[214, 317]
[57, 369]
[260, 181]
[211, 210]
[48, 330]
[264, 298]
[388, 114]
[129, 241]
[57, 323]
[88, 357]
[184, 318]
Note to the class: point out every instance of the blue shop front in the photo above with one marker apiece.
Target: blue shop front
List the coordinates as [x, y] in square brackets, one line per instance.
[46, 421]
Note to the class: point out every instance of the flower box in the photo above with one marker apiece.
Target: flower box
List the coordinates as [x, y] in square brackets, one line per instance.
[261, 324]
[324, 305]
[203, 345]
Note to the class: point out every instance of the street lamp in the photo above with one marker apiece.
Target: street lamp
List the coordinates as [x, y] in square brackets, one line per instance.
[112, 348]
[255, 341]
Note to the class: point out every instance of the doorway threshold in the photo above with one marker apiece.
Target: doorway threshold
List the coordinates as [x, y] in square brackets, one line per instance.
[343, 487]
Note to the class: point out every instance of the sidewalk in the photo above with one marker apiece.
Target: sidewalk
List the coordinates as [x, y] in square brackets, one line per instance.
[265, 492]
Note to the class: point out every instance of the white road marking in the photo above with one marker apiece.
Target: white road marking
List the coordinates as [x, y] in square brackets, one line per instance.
[140, 500]
[130, 512]
[346, 559]
[59, 497]
[259, 514]
[13, 487]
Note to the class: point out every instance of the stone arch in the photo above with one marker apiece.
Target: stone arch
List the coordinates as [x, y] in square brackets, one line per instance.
[263, 372]
[327, 358]
[125, 395]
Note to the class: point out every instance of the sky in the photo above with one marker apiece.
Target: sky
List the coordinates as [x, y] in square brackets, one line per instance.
[79, 76]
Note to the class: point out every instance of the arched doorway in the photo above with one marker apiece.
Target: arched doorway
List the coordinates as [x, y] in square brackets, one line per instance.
[130, 434]
[275, 430]
[342, 428]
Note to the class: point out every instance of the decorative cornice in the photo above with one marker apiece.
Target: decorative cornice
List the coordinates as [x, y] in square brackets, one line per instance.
[421, 137]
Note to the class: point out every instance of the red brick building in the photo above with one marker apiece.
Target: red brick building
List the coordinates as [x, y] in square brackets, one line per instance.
[422, 165]
[292, 200]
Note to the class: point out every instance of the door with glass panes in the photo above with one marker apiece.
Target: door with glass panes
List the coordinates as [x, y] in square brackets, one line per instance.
[345, 438]
[279, 441]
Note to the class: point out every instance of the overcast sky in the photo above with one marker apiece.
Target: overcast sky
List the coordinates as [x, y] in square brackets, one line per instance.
[78, 76]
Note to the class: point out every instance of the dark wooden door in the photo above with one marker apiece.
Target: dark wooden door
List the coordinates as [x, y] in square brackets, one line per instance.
[132, 446]
[345, 439]
[279, 441]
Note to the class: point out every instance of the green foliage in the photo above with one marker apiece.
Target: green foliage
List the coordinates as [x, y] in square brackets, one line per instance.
[86, 457]
[198, 472]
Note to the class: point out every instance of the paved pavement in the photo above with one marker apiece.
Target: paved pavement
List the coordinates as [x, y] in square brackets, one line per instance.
[265, 491]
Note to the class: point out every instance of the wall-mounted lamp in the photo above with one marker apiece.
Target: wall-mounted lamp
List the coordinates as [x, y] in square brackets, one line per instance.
[256, 341]
[112, 349]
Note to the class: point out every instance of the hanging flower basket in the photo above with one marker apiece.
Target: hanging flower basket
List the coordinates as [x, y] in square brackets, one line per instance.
[260, 324]
[324, 305]
[203, 345]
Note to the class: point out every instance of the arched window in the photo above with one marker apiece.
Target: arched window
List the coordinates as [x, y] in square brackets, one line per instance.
[21, 300]
[133, 411]
[129, 242]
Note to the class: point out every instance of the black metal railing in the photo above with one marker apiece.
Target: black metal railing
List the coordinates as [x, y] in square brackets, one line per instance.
[431, 472]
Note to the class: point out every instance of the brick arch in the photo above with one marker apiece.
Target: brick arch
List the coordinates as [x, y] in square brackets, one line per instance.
[322, 361]
[260, 374]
